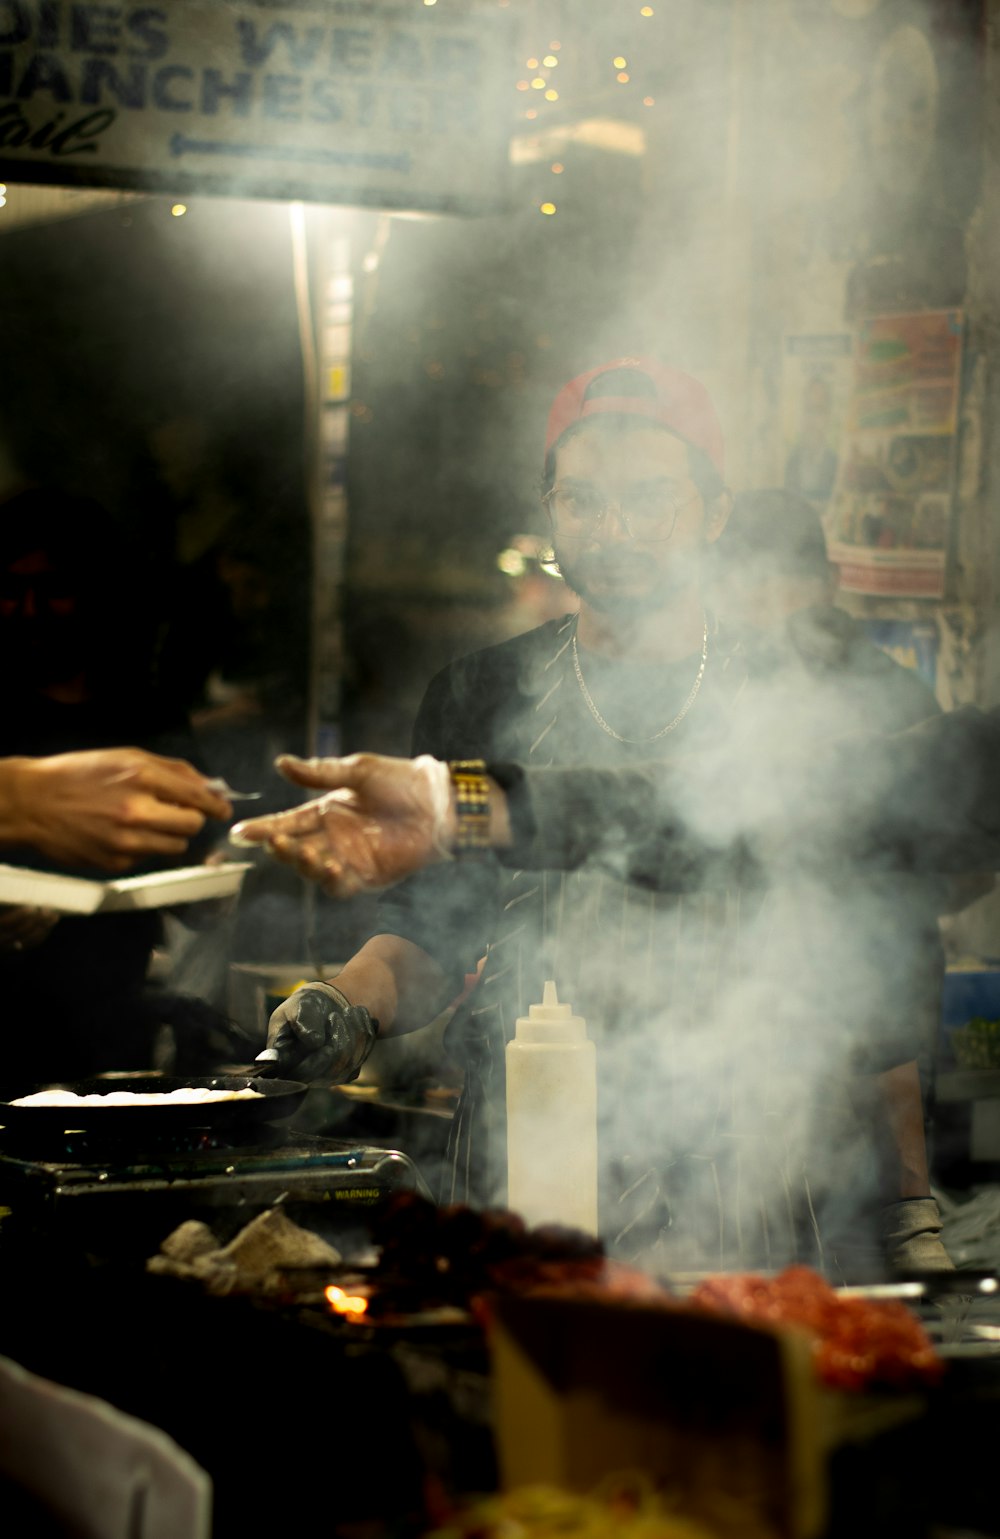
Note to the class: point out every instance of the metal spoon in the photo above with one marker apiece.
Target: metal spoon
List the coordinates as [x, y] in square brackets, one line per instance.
[221, 787]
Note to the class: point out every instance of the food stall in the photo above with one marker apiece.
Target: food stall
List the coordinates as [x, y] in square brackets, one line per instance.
[258, 1267]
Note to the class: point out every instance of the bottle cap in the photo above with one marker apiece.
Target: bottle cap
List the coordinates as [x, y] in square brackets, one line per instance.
[551, 1021]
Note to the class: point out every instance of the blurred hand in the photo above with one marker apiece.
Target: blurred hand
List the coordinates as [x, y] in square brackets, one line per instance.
[911, 1236]
[318, 1034]
[381, 820]
[106, 807]
[23, 928]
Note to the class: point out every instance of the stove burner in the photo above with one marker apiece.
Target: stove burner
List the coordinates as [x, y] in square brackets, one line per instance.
[118, 1201]
[86, 1147]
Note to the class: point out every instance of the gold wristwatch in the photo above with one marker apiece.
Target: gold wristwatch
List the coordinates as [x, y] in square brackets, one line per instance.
[472, 806]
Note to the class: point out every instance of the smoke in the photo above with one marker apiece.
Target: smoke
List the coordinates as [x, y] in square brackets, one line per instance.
[760, 170]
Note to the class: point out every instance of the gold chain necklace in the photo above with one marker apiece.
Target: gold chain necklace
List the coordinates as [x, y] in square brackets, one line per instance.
[689, 702]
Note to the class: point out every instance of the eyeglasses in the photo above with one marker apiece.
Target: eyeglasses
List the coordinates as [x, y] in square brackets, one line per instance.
[580, 511]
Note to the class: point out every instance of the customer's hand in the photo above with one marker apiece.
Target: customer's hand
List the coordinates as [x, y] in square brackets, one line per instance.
[105, 807]
[381, 820]
[318, 1034]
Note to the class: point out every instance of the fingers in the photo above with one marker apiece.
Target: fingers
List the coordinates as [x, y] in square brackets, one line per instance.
[295, 823]
[349, 773]
[147, 841]
[174, 781]
[317, 863]
[156, 820]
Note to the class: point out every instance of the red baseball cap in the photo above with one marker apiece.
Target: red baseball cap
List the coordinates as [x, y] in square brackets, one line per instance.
[680, 402]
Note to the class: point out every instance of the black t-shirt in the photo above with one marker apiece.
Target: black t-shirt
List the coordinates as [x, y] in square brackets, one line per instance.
[714, 1004]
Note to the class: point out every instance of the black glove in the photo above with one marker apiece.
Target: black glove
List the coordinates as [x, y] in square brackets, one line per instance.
[318, 1034]
[911, 1236]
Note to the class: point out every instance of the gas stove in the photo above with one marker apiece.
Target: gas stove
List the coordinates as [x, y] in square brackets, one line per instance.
[115, 1201]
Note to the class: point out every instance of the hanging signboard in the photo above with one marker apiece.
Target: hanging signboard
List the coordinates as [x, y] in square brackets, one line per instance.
[388, 103]
[889, 516]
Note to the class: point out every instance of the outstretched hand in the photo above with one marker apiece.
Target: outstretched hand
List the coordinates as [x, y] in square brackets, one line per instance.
[380, 820]
[105, 807]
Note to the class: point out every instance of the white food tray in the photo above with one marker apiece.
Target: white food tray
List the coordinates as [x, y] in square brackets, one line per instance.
[161, 889]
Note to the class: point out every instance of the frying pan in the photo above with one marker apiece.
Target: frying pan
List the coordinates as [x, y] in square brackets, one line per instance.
[279, 1100]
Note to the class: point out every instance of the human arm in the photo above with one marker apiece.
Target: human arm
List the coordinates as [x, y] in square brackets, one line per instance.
[382, 819]
[104, 807]
[430, 933]
[909, 1219]
[927, 799]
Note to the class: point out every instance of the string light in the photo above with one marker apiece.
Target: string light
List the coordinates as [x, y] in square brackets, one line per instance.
[619, 62]
[623, 77]
[647, 10]
[555, 46]
[179, 209]
[649, 101]
[558, 168]
[531, 63]
[538, 84]
[551, 95]
[547, 208]
[522, 85]
[550, 61]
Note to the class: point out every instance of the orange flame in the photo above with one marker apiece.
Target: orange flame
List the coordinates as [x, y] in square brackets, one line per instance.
[352, 1305]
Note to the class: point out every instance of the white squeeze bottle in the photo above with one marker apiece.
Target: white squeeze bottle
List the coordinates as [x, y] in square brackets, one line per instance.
[552, 1117]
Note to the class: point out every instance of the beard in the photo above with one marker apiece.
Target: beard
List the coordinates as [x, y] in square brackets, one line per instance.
[623, 581]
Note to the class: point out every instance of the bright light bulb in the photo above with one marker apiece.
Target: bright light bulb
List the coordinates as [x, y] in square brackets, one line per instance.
[179, 209]
[558, 167]
[550, 61]
[552, 96]
[619, 62]
[548, 208]
[531, 63]
[624, 77]
[538, 84]
[647, 10]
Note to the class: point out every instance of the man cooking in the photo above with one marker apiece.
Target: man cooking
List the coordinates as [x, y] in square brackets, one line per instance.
[705, 1114]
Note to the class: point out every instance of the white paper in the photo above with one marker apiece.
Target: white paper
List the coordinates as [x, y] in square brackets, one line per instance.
[160, 889]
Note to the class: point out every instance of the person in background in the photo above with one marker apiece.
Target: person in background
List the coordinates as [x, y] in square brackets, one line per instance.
[811, 467]
[76, 649]
[812, 675]
[700, 1162]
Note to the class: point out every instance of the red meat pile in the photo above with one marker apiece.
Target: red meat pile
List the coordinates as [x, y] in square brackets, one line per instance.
[857, 1343]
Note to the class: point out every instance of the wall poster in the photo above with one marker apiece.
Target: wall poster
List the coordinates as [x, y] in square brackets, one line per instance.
[888, 519]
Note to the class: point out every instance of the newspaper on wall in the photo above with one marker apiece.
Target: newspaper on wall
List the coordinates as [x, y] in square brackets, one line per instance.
[888, 518]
